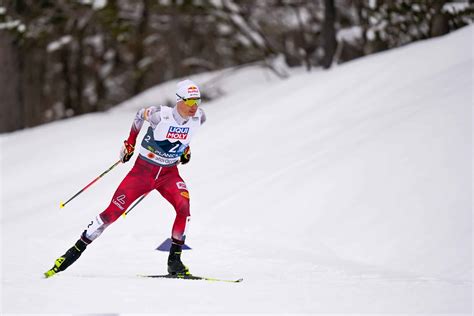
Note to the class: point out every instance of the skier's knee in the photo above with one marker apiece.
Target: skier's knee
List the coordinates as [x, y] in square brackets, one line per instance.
[182, 206]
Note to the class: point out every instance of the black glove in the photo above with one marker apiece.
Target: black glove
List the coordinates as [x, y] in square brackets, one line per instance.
[186, 156]
[126, 152]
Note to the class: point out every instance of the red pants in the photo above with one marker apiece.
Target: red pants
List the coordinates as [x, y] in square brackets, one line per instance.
[143, 178]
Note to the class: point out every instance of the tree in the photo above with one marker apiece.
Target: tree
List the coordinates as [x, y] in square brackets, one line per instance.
[10, 93]
[329, 42]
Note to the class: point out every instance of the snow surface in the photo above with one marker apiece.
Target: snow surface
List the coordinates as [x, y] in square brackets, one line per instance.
[341, 191]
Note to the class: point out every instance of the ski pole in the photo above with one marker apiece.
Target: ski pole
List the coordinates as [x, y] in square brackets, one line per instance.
[62, 204]
[138, 201]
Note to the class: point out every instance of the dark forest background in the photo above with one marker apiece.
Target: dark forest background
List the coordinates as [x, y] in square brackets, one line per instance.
[62, 58]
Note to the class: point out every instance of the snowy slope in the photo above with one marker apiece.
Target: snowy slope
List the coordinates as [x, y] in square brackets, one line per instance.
[346, 191]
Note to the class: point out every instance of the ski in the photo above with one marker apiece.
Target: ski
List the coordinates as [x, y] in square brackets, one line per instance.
[187, 277]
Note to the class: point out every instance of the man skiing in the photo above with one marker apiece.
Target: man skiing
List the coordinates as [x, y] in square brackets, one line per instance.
[165, 145]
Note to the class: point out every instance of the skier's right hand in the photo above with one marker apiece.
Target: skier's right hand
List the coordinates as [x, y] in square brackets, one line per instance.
[126, 152]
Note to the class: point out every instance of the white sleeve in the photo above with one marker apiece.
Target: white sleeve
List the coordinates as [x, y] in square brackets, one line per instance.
[150, 114]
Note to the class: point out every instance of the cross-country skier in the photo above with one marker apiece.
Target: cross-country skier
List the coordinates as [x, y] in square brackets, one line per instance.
[165, 145]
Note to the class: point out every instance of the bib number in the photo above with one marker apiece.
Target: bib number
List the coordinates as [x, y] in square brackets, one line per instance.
[173, 150]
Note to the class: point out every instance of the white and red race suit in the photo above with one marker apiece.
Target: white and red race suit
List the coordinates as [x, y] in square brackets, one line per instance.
[155, 168]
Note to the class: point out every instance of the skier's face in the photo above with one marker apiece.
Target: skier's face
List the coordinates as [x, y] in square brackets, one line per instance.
[186, 110]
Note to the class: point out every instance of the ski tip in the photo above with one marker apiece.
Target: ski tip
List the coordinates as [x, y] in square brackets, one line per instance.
[49, 274]
[61, 205]
[225, 280]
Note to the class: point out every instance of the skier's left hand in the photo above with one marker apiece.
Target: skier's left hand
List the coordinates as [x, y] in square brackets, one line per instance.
[185, 156]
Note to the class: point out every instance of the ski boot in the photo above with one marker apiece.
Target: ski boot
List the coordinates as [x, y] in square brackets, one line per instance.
[63, 262]
[175, 266]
